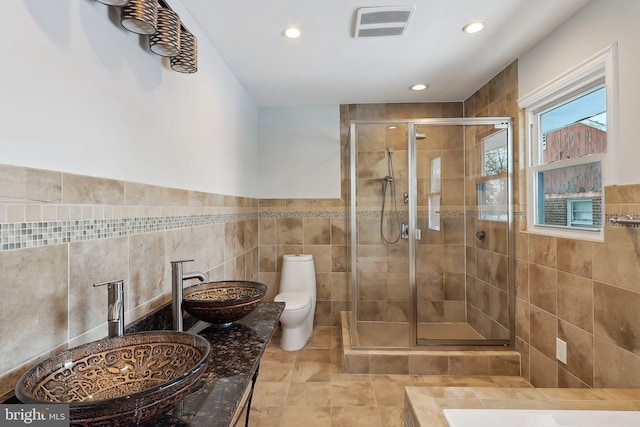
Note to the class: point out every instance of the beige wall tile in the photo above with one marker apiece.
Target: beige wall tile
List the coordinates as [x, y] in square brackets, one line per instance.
[339, 259]
[575, 300]
[146, 268]
[215, 244]
[321, 257]
[356, 364]
[267, 230]
[614, 266]
[616, 311]
[428, 365]
[542, 250]
[153, 195]
[81, 189]
[92, 262]
[19, 184]
[34, 307]
[16, 213]
[544, 371]
[543, 332]
[567, 380]
[522, 280]
[469, 365]
[522, 319]
[615, 367]
[505, 365]
[575, 256]
[579, 351]
[380, 364]
[289, 231]
[543, 287]
[317, 231]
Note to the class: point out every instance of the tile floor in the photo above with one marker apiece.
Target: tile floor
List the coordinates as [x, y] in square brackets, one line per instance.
[308, 388]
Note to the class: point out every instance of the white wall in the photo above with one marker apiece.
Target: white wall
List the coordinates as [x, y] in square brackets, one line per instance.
[80, 94]
[599, 24]
[299, 151]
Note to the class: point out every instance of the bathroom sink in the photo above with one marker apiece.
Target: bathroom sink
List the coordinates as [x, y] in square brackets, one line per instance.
[223, 302]
[121, 381]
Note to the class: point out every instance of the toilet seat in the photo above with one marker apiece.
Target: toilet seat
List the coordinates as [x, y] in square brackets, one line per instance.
[294, 300]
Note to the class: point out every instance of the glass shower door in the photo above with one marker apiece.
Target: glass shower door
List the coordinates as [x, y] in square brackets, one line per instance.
[461, 259]
[382, 310]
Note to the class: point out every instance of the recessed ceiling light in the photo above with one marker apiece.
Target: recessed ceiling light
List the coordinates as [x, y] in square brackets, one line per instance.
[418, 86]
[473, 27]
[291, 32]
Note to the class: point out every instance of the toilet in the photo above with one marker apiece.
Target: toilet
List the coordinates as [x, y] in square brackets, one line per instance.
[298, 292]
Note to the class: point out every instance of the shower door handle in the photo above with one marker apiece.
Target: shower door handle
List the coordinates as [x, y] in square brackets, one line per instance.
[404, 232]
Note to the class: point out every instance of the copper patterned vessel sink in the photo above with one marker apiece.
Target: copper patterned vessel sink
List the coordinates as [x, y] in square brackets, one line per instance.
[223, 302]
[121, 381]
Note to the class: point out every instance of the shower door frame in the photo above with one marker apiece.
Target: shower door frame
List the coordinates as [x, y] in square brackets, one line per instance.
[462, 344]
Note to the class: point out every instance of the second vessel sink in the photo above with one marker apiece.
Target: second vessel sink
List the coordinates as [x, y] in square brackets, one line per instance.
[121, 381]
[223, 302]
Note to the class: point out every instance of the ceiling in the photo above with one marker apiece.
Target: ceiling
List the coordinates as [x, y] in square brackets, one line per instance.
[327, 65]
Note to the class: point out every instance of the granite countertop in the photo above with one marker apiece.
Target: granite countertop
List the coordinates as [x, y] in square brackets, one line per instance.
[235, 357]
[424, 405]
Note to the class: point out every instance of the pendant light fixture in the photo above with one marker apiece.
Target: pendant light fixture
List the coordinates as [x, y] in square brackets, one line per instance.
[166, 40]
[113, 2]
[187, 60]
[140, 16]
[167, 35]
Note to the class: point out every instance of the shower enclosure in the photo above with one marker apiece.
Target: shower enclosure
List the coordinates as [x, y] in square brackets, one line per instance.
[431, 235]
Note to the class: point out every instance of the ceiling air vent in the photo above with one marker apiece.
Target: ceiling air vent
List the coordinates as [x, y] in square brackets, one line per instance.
[382, 21]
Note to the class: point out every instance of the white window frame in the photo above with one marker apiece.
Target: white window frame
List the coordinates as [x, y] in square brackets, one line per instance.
[600, 69]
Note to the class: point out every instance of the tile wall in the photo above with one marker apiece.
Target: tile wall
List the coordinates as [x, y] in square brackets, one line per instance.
[311, 226]
[60, 233]
[585, 293]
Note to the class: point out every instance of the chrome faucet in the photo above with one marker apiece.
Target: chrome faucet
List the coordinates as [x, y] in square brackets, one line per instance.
[115, 308]
[177, 281]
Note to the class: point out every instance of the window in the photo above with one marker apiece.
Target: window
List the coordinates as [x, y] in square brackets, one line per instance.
[492, 186]
[569, 148]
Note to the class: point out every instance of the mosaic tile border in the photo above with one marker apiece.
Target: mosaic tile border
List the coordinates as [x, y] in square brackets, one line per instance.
[302, 214]
[422, 213]
[23, 235]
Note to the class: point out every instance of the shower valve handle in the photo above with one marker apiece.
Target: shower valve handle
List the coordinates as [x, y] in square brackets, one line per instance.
[404, 231]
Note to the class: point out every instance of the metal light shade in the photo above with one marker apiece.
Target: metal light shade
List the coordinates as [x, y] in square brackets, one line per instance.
[187, 60]
[166, 41]
[140, 16]
[113, 2]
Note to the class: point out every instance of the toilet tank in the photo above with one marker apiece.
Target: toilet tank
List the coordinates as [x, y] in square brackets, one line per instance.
[298, 274]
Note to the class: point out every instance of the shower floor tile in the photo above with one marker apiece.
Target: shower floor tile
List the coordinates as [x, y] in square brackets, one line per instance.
[396, 334]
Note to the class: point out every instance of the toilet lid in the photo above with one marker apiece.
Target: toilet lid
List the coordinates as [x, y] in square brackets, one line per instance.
[293, 300]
